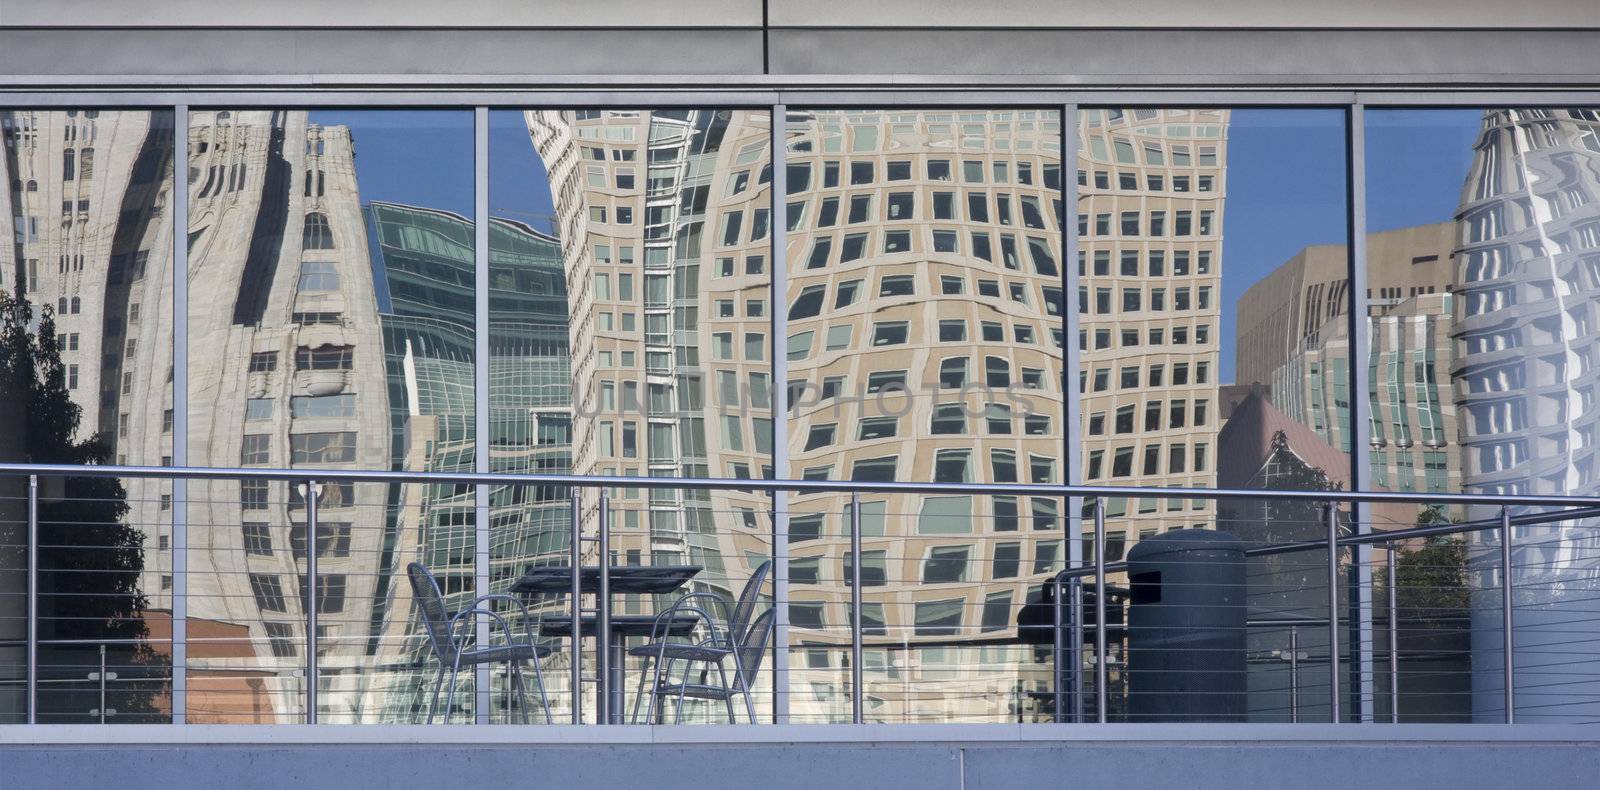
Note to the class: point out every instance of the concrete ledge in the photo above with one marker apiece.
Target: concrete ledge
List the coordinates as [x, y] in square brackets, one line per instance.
[938, 757]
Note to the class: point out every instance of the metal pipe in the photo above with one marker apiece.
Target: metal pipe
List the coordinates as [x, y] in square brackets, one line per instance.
[1100, 690]
[1333, 612]
[602, 631]
[312, 604]
[482, 676]
[1394, 638]
[857, 703]
[179, 545]
[1358, 330]
[778, 352]
[576, 653]
[1505, 614]
[1070, 660]
[33, 599]
[798, 486]
[1294, 674]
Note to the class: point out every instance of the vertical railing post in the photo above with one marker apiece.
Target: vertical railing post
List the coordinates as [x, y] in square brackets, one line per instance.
[857, 702]
[1100, 690]
[1394, 637]
[33, 599]
[1057, 662]
[311, 603]
[1075, 650]
[602, 629]
[1507, 642]
[1294, 674]
[102, 679]
[1333, 611]
[576, 653]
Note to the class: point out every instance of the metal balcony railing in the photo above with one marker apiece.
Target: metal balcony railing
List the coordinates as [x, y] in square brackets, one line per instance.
[1093, 616]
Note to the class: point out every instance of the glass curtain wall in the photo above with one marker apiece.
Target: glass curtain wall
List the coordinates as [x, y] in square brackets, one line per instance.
[86, 352]
[925, 335]
[332, 324]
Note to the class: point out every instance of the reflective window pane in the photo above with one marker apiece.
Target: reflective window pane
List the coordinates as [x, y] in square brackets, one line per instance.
[1483, 276]
[86, 317]
[331, 325]
[1213, 296]
[630, 335]
[925, 344]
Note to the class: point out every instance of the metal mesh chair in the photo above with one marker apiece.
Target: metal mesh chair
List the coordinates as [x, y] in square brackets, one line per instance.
[453, 640]
[723, 637]
[747, 654]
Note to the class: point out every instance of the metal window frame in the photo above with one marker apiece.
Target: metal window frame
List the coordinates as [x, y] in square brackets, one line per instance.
[776, 98]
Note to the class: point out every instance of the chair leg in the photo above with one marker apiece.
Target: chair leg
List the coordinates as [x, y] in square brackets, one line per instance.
[544, 698]
[438, 685]
[677, 715]
[727, 693]
[450, 698]
[738, 673]
[638, 693]
[517, 688]
[661, 666]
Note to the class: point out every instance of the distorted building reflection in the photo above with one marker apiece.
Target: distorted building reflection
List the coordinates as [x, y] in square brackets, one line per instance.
[925, 343]
[328, 332]
[1294, 341]
[1527, 304]
[1153, 188]
[663, 221]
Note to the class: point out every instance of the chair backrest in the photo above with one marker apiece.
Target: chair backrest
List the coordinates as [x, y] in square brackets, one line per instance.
[745, 607]
[753, 648]
[430, 603]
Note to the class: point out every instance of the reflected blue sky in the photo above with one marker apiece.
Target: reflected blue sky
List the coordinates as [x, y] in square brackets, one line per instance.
[1416, 163]
[1286, 172]
[417, 157]
[1286, 191]
[519, 187]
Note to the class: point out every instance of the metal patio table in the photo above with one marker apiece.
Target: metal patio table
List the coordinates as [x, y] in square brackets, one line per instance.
[637, 579]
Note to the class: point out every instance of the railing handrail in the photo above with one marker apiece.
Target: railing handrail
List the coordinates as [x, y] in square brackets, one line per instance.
[841, 487]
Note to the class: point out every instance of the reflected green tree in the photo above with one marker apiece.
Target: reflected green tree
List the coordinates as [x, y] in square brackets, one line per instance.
[90, 558]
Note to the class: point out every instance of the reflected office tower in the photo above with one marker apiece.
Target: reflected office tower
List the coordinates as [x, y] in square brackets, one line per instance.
[663, 223]
[530, 396]
[424, 273]
[1528, 308]
[1293, 346]
[925, 335]
[287, 369]
[87, 195]
[1152, 186]
[325, 333]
